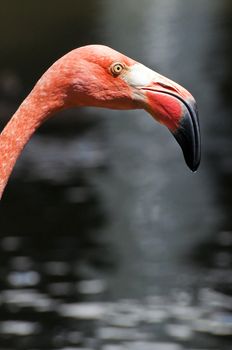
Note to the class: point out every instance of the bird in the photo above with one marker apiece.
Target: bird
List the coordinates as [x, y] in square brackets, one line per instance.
[99, 76]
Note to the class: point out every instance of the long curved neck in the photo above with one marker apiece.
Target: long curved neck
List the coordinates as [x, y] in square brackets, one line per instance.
[36, 108]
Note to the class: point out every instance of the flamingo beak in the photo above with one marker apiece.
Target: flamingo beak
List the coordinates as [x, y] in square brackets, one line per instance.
[172, 105]
[180, 115]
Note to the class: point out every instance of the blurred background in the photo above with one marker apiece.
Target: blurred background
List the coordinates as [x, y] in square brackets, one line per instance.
[107, 240]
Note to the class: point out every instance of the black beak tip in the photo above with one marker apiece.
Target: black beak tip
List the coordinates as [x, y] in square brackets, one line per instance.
[193, 165]
[188, 137]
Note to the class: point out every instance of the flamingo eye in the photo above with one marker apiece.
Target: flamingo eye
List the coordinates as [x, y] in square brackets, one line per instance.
[116, 68]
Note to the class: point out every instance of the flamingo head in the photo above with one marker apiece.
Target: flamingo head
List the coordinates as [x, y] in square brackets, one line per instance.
[97, 75]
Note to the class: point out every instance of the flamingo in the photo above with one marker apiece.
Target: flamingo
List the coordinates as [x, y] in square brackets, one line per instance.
[98, 76]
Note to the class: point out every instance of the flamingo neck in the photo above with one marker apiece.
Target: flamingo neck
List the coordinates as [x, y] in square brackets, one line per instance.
[35, 109]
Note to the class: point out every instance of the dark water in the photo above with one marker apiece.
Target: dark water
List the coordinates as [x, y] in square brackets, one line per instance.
[107, 240]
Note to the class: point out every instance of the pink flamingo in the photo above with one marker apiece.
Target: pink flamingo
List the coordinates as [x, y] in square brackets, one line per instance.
[99, 76]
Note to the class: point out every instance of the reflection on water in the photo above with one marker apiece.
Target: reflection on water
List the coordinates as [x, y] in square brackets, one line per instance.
[50, 300]
[107, 241]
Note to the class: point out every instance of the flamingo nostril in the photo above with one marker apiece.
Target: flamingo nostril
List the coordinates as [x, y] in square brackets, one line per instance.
[167, 86]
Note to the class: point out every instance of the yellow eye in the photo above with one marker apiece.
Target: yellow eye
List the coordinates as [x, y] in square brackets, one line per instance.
[116, 68]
